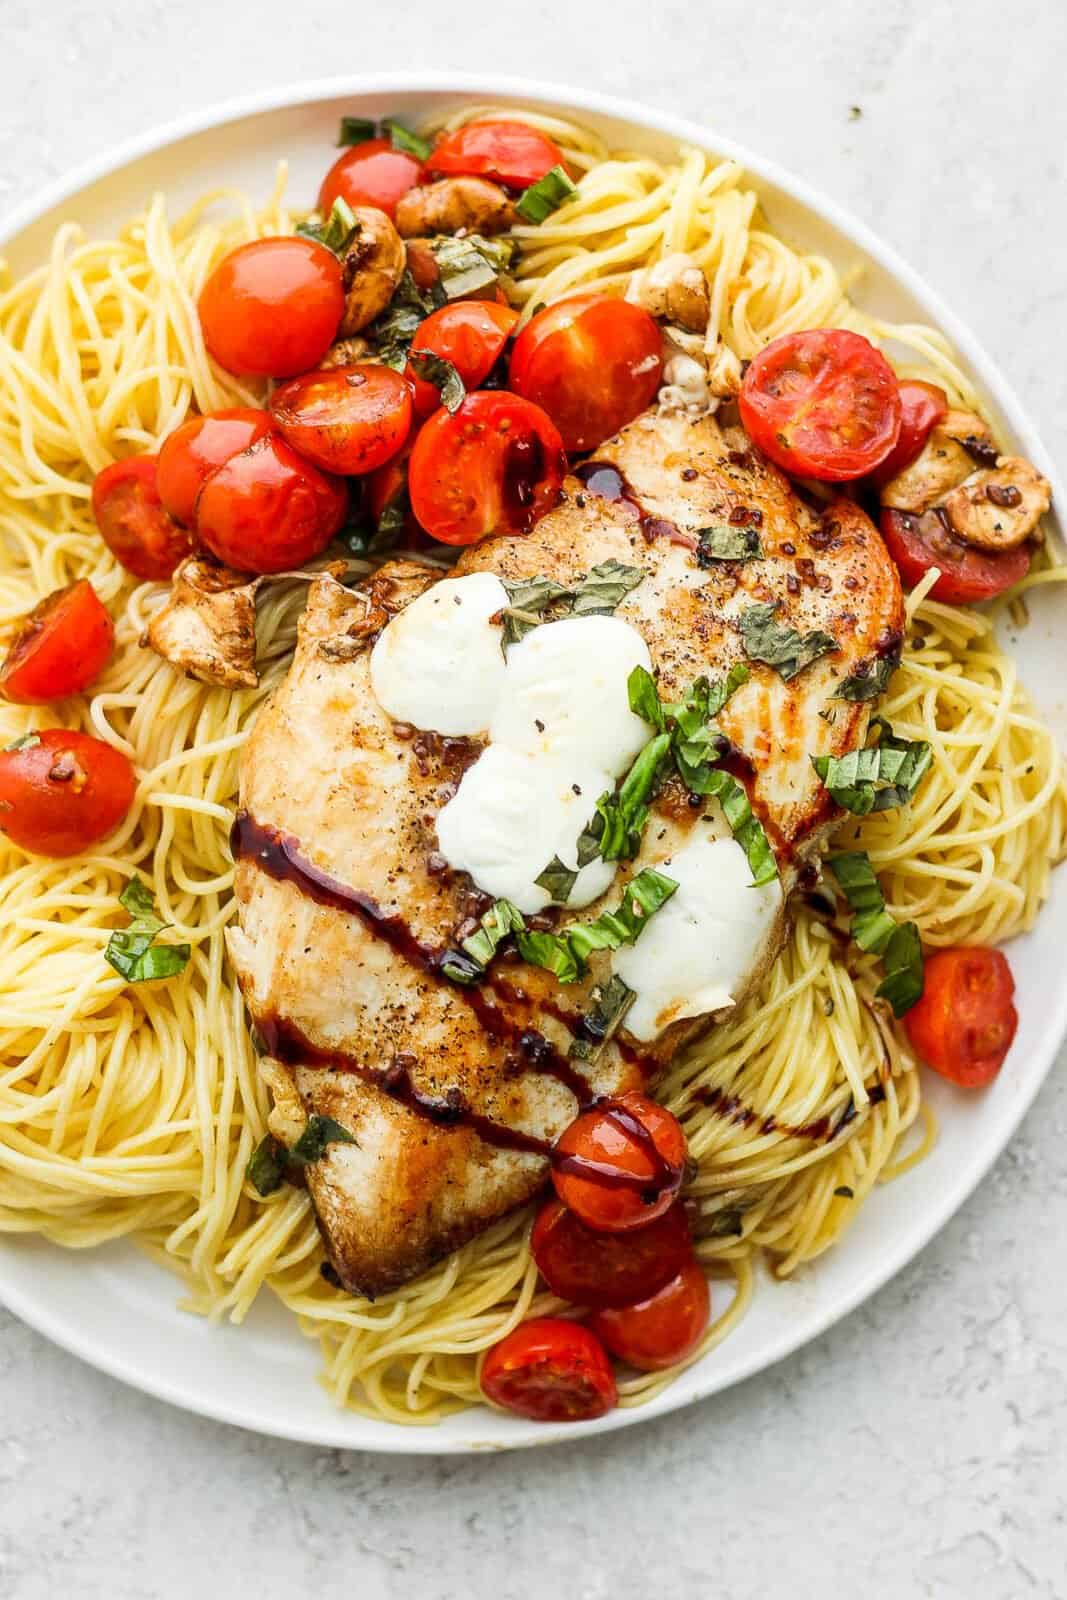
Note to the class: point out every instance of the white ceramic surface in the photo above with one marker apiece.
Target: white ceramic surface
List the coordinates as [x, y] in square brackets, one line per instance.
[117, 1311]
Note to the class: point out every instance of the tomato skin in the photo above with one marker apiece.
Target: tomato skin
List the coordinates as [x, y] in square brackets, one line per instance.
[592, 362]
[917, 543]
[657, 1332]
[496, 466]
[633, 1136]
[63, 644]
[511, 153]
[133, 522]
[469, 333]
[189, 455]
[267, 509]
[271, 308]
[922, 406]
[64, 793]
[965, 1021]
[370, 174]
[550, 1370]
[823, 404]
[607, 1269]
[346, 420]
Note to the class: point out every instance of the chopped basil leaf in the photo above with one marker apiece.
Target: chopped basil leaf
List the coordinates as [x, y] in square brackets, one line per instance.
[875, 930]
[725, 542]
[611, 1002]
[644, 697]
[778, 645]
[529, 599]
[744, 824]
[501, 919]
[442, 374]
[727, 1224]
[470, 263]
[356, 130]
[266, 1167]
[604, 588]
[551, 951]
[461, 968]
[722, 688]
[27, 742]
[132, 950]
[337, 232]
[879, 777]
[619, 820]
[546, 195]
[271, 1162]
[902, 959]
[401, 138]
[320, 1132]
[557, 881]
[869, 685]
[394, 330]
[566, 953]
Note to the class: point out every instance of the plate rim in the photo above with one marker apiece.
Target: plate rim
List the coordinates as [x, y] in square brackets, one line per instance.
[881, 1267]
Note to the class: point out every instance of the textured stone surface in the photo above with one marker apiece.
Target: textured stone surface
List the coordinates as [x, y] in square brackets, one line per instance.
[916, 1450]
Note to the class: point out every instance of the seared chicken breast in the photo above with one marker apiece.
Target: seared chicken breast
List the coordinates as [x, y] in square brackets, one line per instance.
[453, 1095]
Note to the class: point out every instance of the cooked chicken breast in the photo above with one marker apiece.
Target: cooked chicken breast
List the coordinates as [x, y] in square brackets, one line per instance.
[453, 1095]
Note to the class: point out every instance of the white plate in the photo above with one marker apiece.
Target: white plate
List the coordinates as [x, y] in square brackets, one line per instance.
[116, 1310]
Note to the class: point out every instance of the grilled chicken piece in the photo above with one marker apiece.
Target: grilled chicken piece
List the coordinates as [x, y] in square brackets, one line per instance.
[454, 205]
[675, 290]
[207, 626]
[452, 1093]
[373, 267]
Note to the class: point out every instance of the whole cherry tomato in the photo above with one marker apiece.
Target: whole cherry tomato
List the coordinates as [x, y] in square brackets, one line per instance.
[496, 466]
[272, 308]
[189, 455]
[965, 1022]
[133, 521]
[621, 1164]
[469, 333]
[550, 1370]
[661, 1330]
[607, 1269]
[370, 174]
[267, 509]
[511, 153]
[346, 419]
[63, 792]
[823, 404]
[592, 362]
[922, 406]
[61, 647]
[918, 543]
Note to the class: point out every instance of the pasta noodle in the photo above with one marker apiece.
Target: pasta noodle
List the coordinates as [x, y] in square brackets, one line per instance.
[133, 1110]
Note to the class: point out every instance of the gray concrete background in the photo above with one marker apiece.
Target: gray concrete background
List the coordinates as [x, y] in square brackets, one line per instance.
[916, 1450]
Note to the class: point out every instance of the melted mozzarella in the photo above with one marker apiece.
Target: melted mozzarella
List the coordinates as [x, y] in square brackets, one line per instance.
[699, 947]
[439, 664]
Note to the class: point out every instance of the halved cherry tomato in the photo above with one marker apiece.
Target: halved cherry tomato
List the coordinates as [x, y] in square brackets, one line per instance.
[61, 647]
[550, 1370]
[663, 1329]
[922, 406]
[134, 524]
[347, 419]
[267, 509]
[370, 174]
[823, 404]
[918, 543]
[271, 308]
[496, 466]
[593, 363]
[607, 1269]
[64, 792]
[511, 153]
[469, 333]
[621, 1164]
[965, 1021]
[189, 455]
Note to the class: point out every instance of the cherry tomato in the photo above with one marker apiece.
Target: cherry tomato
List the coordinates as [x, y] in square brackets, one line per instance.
[267, 509]
[965, 1021]
[133, 522]
[469, 333]
[63, 793]
[189, 455]
[370, 174]
[494, 467]
[922, 406]
[918, 543]
[607, 1269]
[592, 362]
[511, 153]
[61, 647]
[271, 308]
[550, 1370]
[347, 419]
[621, 1164]
[663, 1329]
[385, 498]
[823, 404]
